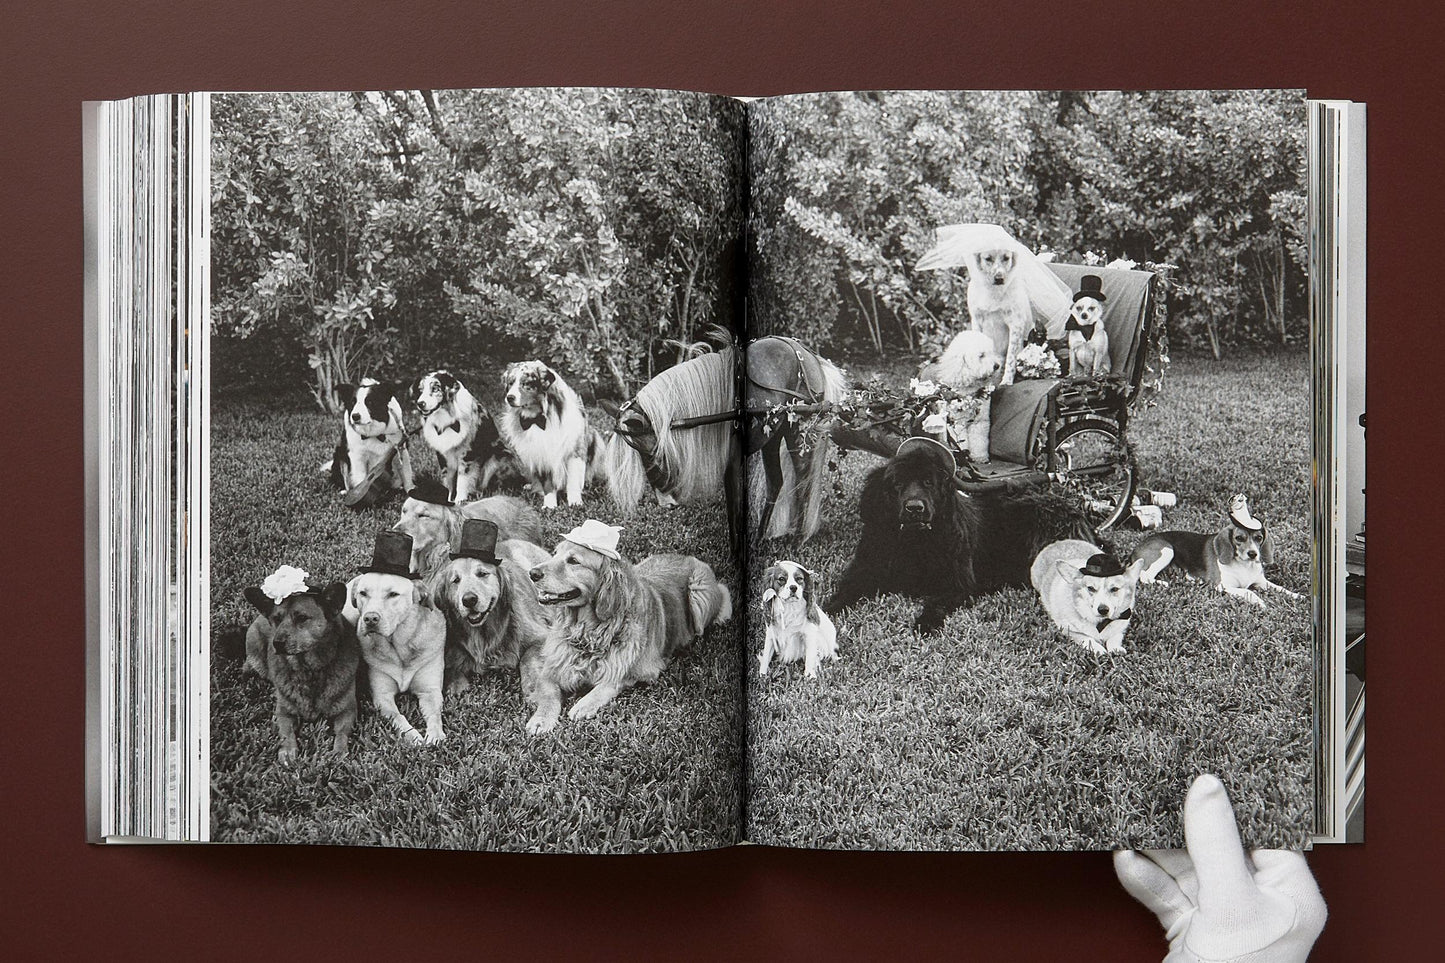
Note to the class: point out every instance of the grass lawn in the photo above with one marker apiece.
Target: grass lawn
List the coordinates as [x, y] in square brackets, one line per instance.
[659, 769]
[997, 734]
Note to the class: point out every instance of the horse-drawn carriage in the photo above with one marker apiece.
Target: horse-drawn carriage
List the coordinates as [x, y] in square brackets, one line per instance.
[1067, 429]
[681, 428]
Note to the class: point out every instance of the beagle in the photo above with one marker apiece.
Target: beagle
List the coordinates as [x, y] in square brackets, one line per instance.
[1231, 559]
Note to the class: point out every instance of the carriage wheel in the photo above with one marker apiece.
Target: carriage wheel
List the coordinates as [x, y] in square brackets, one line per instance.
[1094, 460]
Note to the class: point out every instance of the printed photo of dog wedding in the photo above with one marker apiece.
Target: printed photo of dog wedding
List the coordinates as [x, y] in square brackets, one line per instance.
[1064, 563]
[641, 471]
[444, 628]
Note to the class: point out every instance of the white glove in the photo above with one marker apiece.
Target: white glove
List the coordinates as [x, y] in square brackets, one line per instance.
[1217, 904]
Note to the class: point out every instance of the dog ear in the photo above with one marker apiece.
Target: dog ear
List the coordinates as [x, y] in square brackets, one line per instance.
[611, 598]
[351, 594]
[1266, 547]
[333, 599]
[548, 378]
[769, 597]
[1136, 567]
[260, 600]
[1069, 571]
[1224, 545]
[810, 593]
[344, 394]
[420, 595]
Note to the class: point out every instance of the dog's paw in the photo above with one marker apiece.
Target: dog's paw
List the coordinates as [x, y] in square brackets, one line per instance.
[810, 673]
[539, 724]
[1115, 648]
[286, 755]
[411, 737]
[583, 709]
[434, 737]
[458, 685]
[762, 669]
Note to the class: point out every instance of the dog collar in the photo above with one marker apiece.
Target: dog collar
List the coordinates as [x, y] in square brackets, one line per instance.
[1087, 330]
[1123, 616]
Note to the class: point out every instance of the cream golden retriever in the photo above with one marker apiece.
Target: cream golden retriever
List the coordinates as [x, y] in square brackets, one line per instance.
[616, 624]
[998, 304]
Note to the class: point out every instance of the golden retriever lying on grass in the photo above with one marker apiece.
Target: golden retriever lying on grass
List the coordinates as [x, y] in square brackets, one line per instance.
[616, 624]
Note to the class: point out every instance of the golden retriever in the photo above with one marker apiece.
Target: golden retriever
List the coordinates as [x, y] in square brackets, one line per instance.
[998, 304]
[616, 624]
[435, 527]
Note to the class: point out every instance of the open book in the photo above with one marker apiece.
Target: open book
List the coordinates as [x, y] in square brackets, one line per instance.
[629, 470]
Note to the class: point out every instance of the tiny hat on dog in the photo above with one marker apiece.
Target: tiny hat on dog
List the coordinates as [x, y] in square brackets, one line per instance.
[1239, 514]
[479, 541]
[935, 449]
[430, 490]
[391, 556]
[1102, 566]
[1091, 286]
[598, 536]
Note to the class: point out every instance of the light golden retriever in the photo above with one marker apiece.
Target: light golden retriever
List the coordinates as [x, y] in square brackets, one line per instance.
[616, 624]
[435, 529]
[403, 642]
[494, 620]
[998, 304]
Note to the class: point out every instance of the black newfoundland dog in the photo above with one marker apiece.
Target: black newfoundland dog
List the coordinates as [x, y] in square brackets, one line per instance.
[924, 538]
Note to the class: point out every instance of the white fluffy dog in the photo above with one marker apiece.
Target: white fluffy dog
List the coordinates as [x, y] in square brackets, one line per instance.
[970, 365]
[998, 306]
[796, 627]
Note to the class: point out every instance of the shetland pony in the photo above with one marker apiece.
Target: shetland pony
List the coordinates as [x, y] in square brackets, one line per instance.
[655, 444]
[545, 427]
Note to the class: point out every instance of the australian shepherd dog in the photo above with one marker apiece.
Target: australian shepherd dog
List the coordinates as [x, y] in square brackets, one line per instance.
[545, 427]
[469, 450]
[616, 624]
[371, 423]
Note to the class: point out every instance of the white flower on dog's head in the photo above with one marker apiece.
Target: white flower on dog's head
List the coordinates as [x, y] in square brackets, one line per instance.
[922, 388]
[286, 581]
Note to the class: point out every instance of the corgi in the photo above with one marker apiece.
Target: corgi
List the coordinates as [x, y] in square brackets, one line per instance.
[1087, 593]
[796, 627]
[1232, 559]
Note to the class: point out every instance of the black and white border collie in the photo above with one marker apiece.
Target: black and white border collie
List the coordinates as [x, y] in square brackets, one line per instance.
[469, 451]
[371, 422]
[545, 427]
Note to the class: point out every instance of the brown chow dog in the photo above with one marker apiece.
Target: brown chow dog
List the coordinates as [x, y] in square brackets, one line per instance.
[309, 653]
[616, 624]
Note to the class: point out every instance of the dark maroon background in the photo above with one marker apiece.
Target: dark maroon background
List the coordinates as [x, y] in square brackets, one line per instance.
[60, 897]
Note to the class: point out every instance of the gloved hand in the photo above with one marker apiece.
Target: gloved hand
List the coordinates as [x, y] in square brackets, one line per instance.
[1217, 904]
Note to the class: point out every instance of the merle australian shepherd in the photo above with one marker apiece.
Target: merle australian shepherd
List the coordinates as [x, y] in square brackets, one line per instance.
[924, 538]
[470, 453]
[545, 427]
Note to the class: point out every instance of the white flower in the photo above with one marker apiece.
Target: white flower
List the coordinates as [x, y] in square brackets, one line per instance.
[1123, 263]
[922, 389]
[935, 423]
[283, 583]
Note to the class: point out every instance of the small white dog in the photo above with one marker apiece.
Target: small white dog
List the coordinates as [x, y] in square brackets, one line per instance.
[1088, 341]
[970, 366]
[1088, 594]
[796, 627]
[998, 306]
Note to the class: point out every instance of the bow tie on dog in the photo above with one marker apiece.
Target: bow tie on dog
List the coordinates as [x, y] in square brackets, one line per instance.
[1087, 330]
[538, 420]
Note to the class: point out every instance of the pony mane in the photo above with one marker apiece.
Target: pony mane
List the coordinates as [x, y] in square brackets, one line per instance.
[705, 385]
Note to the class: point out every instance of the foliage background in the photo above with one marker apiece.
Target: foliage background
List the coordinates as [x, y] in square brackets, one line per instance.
[847, 189]
[390, 232]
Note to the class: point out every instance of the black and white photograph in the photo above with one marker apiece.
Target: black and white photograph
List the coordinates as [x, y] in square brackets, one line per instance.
[452, 605]
[1063, 562]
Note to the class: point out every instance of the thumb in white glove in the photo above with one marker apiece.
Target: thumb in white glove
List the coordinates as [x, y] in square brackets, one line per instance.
[1217, 904]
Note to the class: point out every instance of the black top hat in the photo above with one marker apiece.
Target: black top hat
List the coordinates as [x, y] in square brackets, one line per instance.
[1102, 566]
[935, 449]
[479, 541]
[1091, 286]
[391, 556]
[430, 490]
